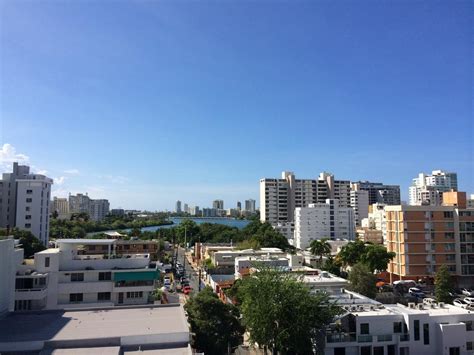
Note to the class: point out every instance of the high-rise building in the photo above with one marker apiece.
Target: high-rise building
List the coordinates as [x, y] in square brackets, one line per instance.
[218, 204]
[280, 197]
[426, 237]
[178, 206]
[98, 209]
[359, 203]
[239, 205]
[323, 220]
[79, 203]
[250, 205]
[61, 206]
[380, 193]
[24, 201]
[186, 208]
[428, 189]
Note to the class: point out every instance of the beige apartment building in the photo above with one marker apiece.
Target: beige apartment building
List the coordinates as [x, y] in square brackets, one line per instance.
[425, 237]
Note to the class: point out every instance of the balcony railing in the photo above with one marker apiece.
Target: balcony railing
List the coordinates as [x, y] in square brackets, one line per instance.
[364, 338]
[341, 337]
[31, 289]
[384, 337]
[404, 337]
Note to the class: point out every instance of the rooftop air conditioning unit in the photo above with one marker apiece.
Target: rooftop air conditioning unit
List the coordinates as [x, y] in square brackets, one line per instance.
[353, 308]
[360, 308]
[372, 308]
[441, 305]
[420, 306]
[411, 305]
[433, 305]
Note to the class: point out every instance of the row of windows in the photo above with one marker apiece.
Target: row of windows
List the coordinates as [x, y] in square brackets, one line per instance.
[135, 294]
[79, 297]
[79, 276]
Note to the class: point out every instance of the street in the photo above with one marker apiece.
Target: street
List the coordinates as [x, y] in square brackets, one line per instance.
[191, 274]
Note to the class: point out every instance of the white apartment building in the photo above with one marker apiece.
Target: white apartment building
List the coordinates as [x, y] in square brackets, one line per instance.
[323, 220]
[24, 201]
[428, 189]
[61, 206]
[10, 259]
[98, 209]
[359, 203]
[64, 277]
[399, 330]
[79, 203]
[376, 217]
[470, 201]
[280, 197]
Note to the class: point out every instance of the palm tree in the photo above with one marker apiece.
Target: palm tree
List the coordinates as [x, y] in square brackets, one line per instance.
[320, 248]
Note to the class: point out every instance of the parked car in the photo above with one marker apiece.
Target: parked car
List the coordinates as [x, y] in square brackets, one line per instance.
[469, 300]
[459, 302]
[467, 292]
[415, 291]
[187, 290]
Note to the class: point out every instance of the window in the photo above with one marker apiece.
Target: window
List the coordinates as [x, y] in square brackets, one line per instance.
[75, 297]
[29, 192]
[448, 214]
[405, 351]
[27, 208]
[364, 328]
[136, 294]
[397, 327]
[450, 225]
[470, 345]
[126, 247]
[426, 334]
[469, 327]
[365, 350]
[103, 296]
[454, 351]
[450, 257]
[29, 200]
[378, 350]
[449, 235]
[27, 225]
[416, 329]
[76, 276]
[28, 216]
[104, 276]
[46, 261]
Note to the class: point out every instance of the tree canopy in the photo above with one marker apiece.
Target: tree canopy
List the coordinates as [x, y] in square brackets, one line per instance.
[375, 256]
[363, 280]
[320, 248]
[214, 324]
[281, 313]
[443, 284]
[28, 241]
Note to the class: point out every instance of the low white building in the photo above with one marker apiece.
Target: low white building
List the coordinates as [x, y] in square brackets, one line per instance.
[245, 264]
[11, 258]
[399, 330]
[226, 258]
[323, 220]
[63, 278]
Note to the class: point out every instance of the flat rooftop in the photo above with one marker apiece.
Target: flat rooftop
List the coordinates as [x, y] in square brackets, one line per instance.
[85, 241]
[161, 324]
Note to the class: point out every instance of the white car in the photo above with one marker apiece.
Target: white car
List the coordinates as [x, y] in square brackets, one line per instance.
[467, 292]
[415, 291]
[458, 302]
[469, 300]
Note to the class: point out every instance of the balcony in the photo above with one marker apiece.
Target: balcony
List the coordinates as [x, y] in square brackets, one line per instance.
[341, 338]
[102, 262]
[384, 337]
[25, 294]
[404, 337]
[367, 338]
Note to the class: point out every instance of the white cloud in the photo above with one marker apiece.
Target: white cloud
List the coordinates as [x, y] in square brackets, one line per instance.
[8, 155]
[59, 180]
[72, 171]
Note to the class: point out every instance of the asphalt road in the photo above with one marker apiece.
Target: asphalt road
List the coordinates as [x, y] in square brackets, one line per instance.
[191, 274]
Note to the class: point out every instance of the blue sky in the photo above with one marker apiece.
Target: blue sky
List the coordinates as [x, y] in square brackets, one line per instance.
[147, 102]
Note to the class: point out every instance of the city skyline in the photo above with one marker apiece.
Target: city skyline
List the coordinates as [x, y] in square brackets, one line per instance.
[146, 103]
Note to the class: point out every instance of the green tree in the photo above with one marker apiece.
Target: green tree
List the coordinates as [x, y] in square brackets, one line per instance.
[363, 280]
[376, 257]
[28, 241]
[331, 265]
[214, 324]
[320, 248]
[281, 313]
[351, 253]
[443, 284]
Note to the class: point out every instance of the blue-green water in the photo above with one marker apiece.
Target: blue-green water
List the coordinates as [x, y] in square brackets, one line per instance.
[239, 223]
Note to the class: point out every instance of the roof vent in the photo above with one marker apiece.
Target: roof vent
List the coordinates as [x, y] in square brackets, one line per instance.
[420, 306]
[411, 305]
